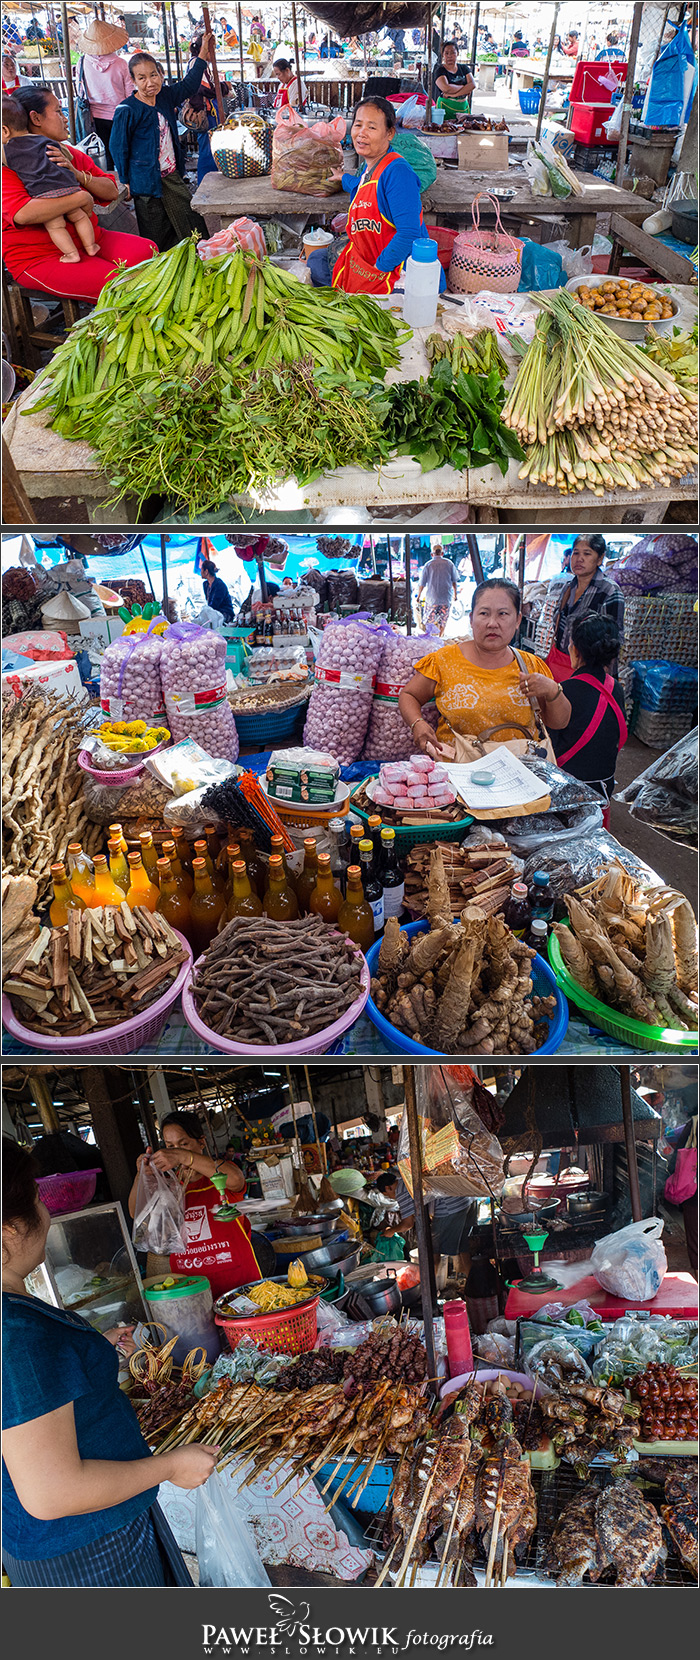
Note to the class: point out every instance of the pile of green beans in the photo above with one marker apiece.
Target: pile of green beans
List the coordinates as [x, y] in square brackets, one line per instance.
[174, 316]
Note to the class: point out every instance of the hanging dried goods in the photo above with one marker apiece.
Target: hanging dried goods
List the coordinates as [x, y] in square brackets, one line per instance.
[42, 801]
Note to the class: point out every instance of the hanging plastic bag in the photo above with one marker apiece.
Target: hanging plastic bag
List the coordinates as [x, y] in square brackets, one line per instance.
[461, 1158]
[226, 1550]
[672, 84]
[541, 267]
[632, 1262]
[412, 113]
[159, 1214]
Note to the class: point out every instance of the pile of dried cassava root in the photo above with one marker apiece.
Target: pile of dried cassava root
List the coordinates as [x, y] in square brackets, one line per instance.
[42, 795]
[108, 964]
[634, 949]
[480, 876]
[464, 987]
[276, 982]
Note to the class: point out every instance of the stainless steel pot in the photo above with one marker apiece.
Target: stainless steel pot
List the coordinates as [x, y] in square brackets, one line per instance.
[331, 1258]
[380, 1297]
[585, 1204]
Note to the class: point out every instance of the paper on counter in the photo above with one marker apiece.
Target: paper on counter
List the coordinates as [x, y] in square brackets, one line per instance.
[513, 785]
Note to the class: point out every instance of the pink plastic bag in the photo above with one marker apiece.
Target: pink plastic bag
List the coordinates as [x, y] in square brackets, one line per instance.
[42, 648]
[683, 1184]
[304, 157]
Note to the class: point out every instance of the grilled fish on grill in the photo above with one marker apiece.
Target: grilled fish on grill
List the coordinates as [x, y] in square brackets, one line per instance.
[680, 1513]
[574, 1546]
[629, 1532]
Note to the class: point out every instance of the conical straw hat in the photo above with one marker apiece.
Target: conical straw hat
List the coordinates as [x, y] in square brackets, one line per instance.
[102, 38]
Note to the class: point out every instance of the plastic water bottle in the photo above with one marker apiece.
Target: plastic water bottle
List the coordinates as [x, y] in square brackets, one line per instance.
[421, 285]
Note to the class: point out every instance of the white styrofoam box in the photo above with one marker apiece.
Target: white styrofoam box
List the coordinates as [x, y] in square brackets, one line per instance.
[55, 677]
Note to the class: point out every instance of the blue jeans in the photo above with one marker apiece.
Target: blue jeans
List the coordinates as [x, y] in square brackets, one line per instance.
[320, 267]
[205, 160]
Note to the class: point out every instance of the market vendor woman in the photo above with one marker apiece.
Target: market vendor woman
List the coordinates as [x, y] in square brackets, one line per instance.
[221, 1251]
[589, 593]
[385, 217]
[452, 87]
[79, 1483]
[483, 683]
[147, 153]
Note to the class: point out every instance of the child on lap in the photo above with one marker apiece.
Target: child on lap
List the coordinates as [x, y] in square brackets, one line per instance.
[26, 153]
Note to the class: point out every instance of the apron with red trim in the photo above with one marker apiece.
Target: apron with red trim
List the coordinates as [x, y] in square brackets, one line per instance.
[560, 663]
[355, 269]
[606, 700]
[221, 1251]
[281, 99]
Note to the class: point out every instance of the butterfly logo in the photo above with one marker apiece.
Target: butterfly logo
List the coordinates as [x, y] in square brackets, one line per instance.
[289, 1620]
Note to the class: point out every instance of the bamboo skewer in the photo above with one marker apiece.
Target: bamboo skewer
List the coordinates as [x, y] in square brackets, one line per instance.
[451, 1528]
[504, 1562]
[387, 1564]
[495, 1526]
[417, 1521]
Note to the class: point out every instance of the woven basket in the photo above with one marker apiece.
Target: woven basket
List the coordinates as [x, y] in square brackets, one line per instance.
[252, 156]
[283, 1331]
[485, 258]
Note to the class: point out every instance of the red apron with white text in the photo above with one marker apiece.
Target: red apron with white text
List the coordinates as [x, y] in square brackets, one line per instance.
[355, 269]
[221, 1251]
[281, 99]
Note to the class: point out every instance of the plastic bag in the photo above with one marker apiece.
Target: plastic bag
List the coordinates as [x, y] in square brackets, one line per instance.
[418, 155]
[130, 682]
[461, 1158]
[546, 170]
[304, 157]
[529, 833]
[665, 795]
[632, 1262]
[570, 864]
[577, 262]
[388, 736]
[40, 646]
[341, 702]
[193, 670]
[159, 1214]
[144, 799]
[541, 267]
[412, 113]
[556, 1360]
[226, 1548]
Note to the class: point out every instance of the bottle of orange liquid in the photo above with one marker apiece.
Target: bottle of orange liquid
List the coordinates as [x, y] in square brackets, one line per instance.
[117, 834]
[183, 880]
[355, 915]
[184, 851]
[118, 866]
[306, 880]
[277, 847]
[108, 893]
[217, 878]
[206, 908]
[172, 902]
[243, 901]
[81, 874]
[326, 898]
[279, 903]
[64, 898]
[149, 855]
[255, 866]
[233, 854]
[142, 891]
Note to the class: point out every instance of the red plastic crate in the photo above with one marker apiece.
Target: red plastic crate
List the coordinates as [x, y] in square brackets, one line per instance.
[586, 86]
[587, 122]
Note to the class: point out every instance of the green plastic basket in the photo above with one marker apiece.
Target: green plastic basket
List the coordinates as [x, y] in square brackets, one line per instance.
[406, 835]
[630, 1032]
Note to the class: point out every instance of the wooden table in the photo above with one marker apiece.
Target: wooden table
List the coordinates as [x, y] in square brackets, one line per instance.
[449, 198]
[49, 465]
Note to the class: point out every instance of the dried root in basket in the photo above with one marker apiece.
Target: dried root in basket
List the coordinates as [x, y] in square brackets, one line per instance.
[636, 949]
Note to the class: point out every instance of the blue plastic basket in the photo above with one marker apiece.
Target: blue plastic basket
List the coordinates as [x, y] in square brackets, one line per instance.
[374, 1497]
[543, 982]
[282, 723]
[530, 100]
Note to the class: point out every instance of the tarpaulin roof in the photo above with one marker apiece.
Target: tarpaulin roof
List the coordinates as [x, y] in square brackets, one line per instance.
[360, 20]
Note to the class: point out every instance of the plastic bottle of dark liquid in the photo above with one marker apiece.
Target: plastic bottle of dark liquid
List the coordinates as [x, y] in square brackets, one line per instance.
[537, 935]
[541, 896]
[516, 911]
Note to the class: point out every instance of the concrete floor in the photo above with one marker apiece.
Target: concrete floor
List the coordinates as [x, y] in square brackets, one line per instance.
[675, 863]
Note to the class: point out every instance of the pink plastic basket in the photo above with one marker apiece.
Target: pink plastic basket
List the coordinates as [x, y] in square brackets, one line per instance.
[71, 1191]
[121, 775]
[316, 1045]
[123, 1039]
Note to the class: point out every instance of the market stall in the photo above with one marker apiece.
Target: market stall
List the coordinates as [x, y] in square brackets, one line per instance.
[375, 1430]
[253, 786]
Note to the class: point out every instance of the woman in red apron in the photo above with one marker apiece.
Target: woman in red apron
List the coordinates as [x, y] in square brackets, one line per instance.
[288, 94]
[589, 593]
[220, 1251]
[385, 217]
[588, 747]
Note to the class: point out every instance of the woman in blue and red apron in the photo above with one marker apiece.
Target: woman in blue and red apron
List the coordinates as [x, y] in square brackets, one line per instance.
[588, 593]
[385, 217]
[588, 747]
[220, 1251]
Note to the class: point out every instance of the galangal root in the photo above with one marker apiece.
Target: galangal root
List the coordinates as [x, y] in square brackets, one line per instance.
[634, 948]
[464, 987]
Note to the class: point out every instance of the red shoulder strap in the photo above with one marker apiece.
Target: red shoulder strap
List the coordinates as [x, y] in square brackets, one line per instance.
[606, 700]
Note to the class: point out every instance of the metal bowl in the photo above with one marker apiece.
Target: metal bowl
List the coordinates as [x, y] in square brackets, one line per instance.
[331, 1208]
[585, 1204]
[623, 326]
[332, 1259]
[322, 1225]
[502, 192]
